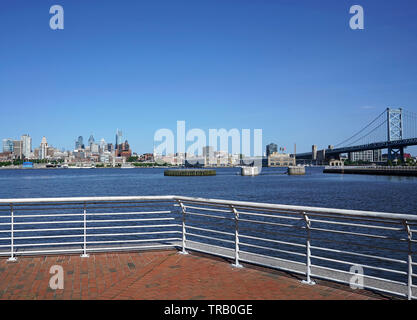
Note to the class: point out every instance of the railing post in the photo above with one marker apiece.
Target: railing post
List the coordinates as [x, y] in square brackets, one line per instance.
[410, 262]
[236, 213]
[12, 256]
[183, 228]
[308, 251]
[85, 255]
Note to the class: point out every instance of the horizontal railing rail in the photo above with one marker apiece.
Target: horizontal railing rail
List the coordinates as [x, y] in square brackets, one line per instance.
[373, 250]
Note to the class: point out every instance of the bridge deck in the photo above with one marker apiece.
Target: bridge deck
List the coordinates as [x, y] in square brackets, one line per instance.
[158, 275]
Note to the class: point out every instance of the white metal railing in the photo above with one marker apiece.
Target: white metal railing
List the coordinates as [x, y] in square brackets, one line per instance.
[315, 242]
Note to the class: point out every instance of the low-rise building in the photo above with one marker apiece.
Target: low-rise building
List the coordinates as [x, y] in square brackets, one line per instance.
[276, 159]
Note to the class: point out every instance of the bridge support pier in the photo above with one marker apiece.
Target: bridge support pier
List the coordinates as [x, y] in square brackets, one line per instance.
[396, 154]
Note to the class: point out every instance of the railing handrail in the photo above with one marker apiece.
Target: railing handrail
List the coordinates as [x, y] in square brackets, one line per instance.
[300, 209]
[85, 199]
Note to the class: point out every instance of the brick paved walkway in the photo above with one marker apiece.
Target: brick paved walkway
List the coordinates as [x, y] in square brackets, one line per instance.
[157, 275]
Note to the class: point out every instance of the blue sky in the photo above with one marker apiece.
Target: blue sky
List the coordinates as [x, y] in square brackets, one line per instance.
[293, 68]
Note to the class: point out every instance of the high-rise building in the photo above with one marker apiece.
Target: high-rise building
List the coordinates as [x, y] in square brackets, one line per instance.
[43, 150]
[119, 136]
[90, 140]
[366, 156]
[271, 148]
[124, 150]
[26, 145]
[94, 148]
[7, 145]
[103, 145]
[314, 152]
[79, 144]
[17, 149]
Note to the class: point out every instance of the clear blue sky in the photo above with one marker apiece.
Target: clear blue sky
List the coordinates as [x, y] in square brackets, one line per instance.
[293, 68]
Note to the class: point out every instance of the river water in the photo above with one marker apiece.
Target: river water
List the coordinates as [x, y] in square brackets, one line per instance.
[360, 192]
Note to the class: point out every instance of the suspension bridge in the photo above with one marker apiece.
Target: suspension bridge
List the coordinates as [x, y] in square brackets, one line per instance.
[393, 129]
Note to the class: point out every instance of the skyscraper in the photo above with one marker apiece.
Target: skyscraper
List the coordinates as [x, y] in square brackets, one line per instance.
[7, 145]
[103, 145]
[26, 145]
[271, 148]
[43, 151]
[119, 136]
[79, 144]
[90, 140]
[17, 149]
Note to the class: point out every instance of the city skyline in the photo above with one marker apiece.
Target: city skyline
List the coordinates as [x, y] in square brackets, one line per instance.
[296, 71]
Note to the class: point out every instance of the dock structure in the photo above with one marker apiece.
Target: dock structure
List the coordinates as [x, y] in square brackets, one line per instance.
[93, 238]
[158, 275]
[373, 170]
[189, 172]
[249, 171]
[296, 170]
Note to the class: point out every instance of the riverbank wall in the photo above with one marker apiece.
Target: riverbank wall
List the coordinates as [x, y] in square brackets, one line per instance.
[374, 170]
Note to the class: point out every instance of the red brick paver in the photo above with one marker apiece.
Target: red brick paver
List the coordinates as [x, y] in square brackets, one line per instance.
[157, 275]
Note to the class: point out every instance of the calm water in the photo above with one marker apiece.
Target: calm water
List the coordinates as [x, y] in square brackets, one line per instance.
[361, 192]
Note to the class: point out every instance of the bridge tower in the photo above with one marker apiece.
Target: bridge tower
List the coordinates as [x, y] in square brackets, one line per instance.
[395, 132]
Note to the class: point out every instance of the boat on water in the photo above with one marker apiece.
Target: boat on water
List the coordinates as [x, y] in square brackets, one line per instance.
[126, 166]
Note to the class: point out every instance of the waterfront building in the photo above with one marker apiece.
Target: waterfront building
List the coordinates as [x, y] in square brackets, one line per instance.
[209, 157]
[79, 144]
[124, 150]
[271, 148]
[17, 149]
[43, 150]
[7, 145]
[26, 146]
[6, 156]
[90, 140]
[94, 148]
[150, 157]
[103, 146]
[119, 136]
[50, 152]
[280, 160]
[105, 157]
[110, 147]
[366, 156]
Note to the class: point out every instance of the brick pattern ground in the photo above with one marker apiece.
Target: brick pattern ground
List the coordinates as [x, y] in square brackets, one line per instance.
[158, 275]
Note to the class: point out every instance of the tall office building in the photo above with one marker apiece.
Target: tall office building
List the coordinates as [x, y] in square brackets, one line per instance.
[79, 144]
[7, 145]
[26, 145]
[17, 149]
[119, 136]
[43, 150]
[271, 148]
[103, 145]
[90, 140]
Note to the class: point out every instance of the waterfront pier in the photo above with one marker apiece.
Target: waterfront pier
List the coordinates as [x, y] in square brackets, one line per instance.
[373, 170]
[311, 244]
